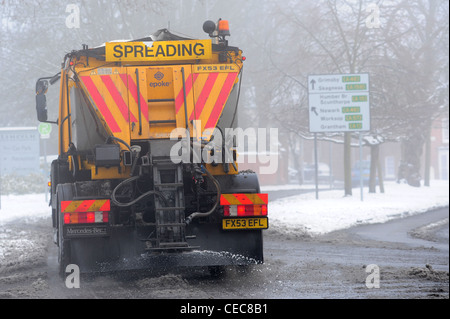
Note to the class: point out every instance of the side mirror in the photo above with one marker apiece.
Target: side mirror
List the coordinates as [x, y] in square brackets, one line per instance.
[41, 107]
[41, 100]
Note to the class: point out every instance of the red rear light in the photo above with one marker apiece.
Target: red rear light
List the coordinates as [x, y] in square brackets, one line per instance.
[249, 210]
[264, 210]
[82, 218]
[90, 217]
[66, 218]
[244, 210]
[244, 205]
[86, 211]
[86, 218]
[226, 210]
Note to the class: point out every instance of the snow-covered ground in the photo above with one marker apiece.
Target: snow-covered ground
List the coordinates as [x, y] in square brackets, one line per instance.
[332, 211]
[29, 206]
[301, 213]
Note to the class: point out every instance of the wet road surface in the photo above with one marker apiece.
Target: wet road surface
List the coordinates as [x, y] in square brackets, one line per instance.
[411, 256]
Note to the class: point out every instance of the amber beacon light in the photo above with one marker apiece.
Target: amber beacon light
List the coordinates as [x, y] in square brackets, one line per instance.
[224, 28]
[221, 29]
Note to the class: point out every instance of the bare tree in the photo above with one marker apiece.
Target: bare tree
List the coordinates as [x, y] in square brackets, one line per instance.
[404, 57]
[34, 39]
[330, 37]
[420, 62]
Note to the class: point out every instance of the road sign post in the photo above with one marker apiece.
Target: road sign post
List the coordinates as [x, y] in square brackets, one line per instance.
[339, 103]
[361, 167]
[316, 166]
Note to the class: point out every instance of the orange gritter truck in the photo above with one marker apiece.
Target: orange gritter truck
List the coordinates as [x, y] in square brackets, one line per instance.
[147, 174]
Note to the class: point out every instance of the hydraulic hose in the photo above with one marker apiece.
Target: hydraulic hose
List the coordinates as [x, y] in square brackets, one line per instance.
[129, 180]
[120, 141]
[134, 151]
[219, 193]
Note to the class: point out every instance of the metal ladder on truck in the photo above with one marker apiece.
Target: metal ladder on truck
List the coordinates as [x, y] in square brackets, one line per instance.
[169, 210]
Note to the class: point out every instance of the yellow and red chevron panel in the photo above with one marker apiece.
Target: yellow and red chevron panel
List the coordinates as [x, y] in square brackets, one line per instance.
[130, 80]
[114, 97]
[86, 211]
[207, 93]
[88, 205]
[244, 199]
[237, 205]
[114, 94]
[179, 91]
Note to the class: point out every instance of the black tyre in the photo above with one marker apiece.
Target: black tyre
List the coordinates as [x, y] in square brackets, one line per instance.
[63, 192]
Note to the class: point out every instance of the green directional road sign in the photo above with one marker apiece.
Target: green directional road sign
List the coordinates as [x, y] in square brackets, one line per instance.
[332, 97]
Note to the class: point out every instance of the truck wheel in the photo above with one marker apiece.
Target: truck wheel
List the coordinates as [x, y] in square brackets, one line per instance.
[244, 182]
[63, 192]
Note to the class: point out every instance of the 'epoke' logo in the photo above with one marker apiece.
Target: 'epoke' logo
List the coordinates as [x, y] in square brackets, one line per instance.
[159, 75]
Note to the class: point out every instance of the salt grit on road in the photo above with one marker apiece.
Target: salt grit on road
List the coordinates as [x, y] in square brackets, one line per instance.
[297, 213]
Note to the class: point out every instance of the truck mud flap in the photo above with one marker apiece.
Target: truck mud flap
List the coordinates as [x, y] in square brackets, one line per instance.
[122, 250]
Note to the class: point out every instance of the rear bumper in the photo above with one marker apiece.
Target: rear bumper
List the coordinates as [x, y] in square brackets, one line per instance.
[124, 249]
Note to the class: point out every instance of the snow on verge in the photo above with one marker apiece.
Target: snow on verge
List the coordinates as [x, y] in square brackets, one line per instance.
[292, 214]
[31, 206]
[22, 248]
[333, 211]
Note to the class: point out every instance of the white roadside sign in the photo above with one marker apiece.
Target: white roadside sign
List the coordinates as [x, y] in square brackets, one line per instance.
[339, 103]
